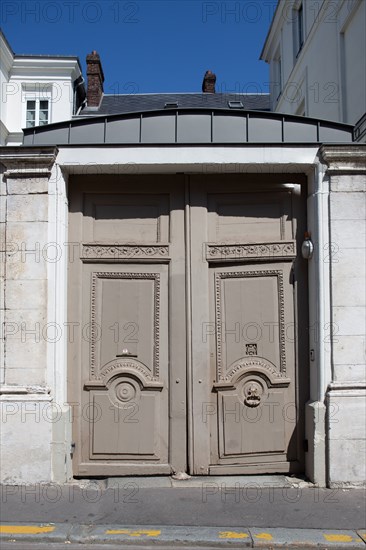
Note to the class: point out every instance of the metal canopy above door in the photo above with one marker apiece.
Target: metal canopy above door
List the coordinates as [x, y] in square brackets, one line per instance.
[192, 297]
[189, 126]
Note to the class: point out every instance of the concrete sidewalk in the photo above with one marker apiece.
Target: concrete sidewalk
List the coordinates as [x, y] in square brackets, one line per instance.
[182, 536]
[238, 512]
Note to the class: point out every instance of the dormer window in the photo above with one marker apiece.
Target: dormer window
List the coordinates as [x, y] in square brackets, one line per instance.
[37, 113]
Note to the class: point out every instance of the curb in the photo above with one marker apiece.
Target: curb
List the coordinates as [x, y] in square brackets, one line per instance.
[180, 536]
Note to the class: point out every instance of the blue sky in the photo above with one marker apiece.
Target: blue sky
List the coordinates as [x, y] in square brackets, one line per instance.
[150, 45]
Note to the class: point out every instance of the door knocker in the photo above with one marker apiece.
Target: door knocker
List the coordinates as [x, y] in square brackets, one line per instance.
[252, 394]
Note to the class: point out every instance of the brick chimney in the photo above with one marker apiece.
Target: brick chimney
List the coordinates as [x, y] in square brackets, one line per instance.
[208, 84]
[95, 76]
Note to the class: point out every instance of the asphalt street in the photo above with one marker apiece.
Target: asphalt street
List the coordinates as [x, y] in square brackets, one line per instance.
[216, 512]
[210, 505]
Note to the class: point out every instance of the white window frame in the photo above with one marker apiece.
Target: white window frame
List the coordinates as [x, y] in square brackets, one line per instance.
[37, 96]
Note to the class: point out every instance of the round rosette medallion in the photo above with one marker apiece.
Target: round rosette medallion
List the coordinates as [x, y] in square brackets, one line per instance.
[125, 391]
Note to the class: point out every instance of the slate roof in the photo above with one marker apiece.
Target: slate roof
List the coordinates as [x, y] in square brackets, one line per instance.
[130, 103]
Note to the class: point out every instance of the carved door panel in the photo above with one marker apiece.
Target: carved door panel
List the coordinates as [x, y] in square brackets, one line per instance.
[127, 288]
[187, 290]
[248, 361]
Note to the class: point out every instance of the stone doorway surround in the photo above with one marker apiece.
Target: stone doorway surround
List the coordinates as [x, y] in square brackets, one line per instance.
[36, 415]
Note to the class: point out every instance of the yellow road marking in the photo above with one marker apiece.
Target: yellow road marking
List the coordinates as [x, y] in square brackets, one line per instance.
[25, 529]
[264, 536]
[134, 532]
[338, 538]
[232, 535]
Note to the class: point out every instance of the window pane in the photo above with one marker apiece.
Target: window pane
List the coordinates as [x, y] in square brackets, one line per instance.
[43, 117]
[31, 114]
[31, 117]
[43, 112]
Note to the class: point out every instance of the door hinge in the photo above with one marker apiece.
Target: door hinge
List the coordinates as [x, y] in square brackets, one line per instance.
[72, 448]
[305, 445]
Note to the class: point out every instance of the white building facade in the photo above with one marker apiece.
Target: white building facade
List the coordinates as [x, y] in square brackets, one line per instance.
[316, 52]
[36, 90]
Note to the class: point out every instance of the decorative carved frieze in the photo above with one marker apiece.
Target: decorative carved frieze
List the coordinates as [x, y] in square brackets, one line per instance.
[258, 251]
[253, 364]
[249, 366]
[108, 252]
[124, 369]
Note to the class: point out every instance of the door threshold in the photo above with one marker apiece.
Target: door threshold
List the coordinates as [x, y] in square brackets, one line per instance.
[244, 481]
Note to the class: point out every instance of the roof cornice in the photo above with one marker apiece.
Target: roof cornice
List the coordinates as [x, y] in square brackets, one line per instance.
[7, 54]
[54, 63]
[273, 29]
[344, 158]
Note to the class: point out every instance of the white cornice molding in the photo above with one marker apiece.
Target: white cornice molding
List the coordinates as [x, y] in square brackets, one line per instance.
[344, 158]
[45, 67]
[24, 393]
[346, 389]
[275, 28]
[25, 162]
[6, 55]
[45, 62]
[15, 389]
[347, 385]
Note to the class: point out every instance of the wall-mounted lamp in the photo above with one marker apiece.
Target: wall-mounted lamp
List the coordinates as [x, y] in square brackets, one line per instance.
[307, 247]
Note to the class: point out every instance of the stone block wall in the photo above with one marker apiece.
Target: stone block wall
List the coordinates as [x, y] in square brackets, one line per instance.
[346, 396]
[26, 429]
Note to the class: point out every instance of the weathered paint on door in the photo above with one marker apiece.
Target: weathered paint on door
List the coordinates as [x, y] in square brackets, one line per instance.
[128, 291]
[248, 363]
[187, 292]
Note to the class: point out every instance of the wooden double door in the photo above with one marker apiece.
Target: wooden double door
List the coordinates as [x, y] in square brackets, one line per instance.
[189, 296]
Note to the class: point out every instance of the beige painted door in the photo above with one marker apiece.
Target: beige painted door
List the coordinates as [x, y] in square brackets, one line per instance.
[248, 295]
[127, 291]
[185, 293]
